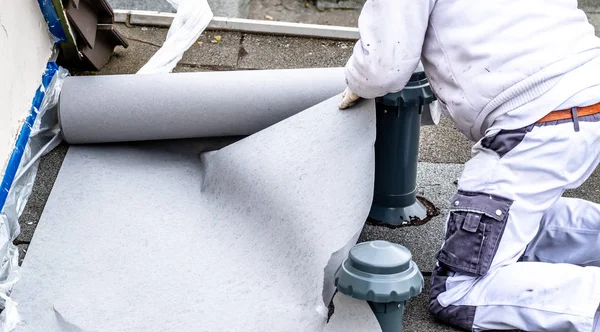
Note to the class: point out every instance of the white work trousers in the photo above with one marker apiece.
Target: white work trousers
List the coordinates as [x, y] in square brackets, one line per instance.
[518, 255]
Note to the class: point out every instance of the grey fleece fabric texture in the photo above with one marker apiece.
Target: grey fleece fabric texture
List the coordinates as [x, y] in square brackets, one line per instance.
[241, 238]
[119, 108]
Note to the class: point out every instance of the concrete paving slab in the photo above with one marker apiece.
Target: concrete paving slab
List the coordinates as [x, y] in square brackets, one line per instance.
[417, 314]
[306, 12]
[594, 19]
[206, 54]
[215, 50]
[589, 4]
[269, 52]
[302, 11]
[212, 49]
[230, 8]
[148, 35]
[143, 43]
[128, 60]
[444, 144]
[436, 183]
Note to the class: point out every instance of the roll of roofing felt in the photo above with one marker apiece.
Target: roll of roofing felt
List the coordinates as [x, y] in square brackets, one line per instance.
[246, 238]
[119, 108]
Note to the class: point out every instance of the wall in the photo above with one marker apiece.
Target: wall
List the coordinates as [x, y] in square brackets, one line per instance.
[25, 47]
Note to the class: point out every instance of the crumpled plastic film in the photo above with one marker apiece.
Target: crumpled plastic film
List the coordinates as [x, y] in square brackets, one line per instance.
[193, 16]
[45, 136]
[52, 20]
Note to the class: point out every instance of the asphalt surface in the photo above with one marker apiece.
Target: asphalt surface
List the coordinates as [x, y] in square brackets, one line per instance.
[442, 152]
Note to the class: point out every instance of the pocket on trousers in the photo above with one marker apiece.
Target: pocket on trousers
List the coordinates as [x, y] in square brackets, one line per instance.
[475, 227]
[505, 140]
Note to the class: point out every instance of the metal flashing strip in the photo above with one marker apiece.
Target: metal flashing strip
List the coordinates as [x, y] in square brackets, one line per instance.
[158, 19]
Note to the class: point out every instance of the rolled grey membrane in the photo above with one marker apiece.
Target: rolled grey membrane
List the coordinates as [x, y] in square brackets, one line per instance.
[121, 108]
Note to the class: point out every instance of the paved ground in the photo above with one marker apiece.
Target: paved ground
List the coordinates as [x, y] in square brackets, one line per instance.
[590, 4]
[306, 11]
[442, 149]
[221, 8]
[302, 11]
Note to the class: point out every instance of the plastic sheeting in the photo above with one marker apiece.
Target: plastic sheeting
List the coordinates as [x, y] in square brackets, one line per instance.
[43, 137]
[193, 16]
[52, 20]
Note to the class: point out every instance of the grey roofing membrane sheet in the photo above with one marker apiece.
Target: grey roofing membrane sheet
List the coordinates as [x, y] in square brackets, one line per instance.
[119, 108]
[166, 236]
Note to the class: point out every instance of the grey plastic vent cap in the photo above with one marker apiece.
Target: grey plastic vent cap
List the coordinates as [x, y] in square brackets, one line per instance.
[380, 272]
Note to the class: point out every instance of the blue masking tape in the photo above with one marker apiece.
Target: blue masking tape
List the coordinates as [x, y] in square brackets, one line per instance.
[53, 21]
[15, 159]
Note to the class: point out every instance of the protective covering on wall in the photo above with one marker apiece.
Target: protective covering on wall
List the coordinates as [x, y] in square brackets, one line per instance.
[52, 20]
[40, 134]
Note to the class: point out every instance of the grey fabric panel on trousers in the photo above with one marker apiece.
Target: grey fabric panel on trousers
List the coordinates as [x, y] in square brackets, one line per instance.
[119, 108]
[155, 236]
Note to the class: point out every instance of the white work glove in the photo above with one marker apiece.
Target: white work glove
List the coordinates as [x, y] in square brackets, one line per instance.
[348, 97]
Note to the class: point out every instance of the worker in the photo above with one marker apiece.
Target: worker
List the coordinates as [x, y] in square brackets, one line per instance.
[521, 79]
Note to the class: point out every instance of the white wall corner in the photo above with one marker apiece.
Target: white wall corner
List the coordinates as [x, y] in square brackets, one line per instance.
[25, 47]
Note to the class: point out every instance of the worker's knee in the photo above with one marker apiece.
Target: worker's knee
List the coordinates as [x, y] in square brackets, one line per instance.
[458, 316]
[475, 227]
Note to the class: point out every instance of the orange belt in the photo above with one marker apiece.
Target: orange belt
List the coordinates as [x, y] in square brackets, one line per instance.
[571, 113]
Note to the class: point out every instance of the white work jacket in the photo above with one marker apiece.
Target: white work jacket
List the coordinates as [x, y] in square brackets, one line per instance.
[492, 64]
